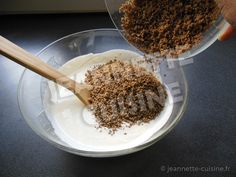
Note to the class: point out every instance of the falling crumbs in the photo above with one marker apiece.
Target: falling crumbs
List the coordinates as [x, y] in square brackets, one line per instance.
[124, 94]
[167, 27]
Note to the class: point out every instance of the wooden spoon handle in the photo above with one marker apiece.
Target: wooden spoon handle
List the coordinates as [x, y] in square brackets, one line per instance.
[26, 59]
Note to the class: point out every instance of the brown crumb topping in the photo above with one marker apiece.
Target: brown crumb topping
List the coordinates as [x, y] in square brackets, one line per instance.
[124, 94]
[167, 27]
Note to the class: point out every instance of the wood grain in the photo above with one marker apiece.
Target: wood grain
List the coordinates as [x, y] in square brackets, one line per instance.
[33, 63]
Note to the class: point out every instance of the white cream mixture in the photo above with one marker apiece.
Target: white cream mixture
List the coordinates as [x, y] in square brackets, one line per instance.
[75, 124]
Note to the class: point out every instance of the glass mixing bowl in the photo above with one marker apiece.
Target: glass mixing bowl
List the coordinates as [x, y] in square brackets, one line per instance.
[208, 38]
[32, 86]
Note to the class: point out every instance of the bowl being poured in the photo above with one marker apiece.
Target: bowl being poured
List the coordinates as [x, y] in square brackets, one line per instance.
[179, 30]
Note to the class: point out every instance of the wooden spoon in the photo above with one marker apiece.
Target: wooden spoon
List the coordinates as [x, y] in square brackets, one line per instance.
[26, 59]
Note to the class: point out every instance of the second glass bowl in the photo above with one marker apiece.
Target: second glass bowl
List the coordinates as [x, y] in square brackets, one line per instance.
[208, 38]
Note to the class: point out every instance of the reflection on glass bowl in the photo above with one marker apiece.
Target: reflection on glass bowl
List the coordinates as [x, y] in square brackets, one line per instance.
[32, 87]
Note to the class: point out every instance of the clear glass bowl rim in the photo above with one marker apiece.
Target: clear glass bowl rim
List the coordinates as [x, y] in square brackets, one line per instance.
[108, 153]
